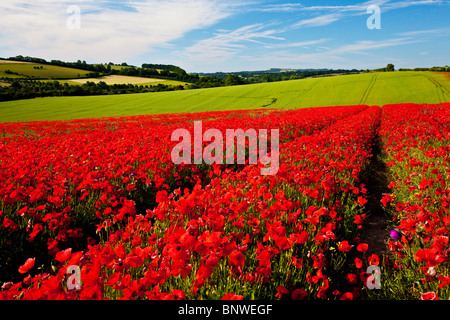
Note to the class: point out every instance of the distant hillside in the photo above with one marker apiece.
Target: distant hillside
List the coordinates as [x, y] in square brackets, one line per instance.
[167, 72]
[39, 71]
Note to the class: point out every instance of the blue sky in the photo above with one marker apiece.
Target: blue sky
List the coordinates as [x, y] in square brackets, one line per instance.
[216, 35]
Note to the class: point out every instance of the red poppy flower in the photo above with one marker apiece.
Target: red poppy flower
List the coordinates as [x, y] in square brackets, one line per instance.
[319, 261]
[204, 272]
[178, 294]
[113, 279]
[120, 251]
[362, 247]
[362, 201]
[27, 265]
[358, 219]
[426, 255]
[237, 259]
[232, 296]
[373, 260]
[297, 262]
[344, 246]
[429, 296]
[62, 256]
[358, 263]
[299, 294]
[352, 278]
[280, 291]
[347, 296]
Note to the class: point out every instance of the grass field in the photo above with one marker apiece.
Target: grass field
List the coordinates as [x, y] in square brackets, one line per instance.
[27, 70]
[369, 88]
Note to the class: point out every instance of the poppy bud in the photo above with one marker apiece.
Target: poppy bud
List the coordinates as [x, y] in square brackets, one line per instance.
[395, 234]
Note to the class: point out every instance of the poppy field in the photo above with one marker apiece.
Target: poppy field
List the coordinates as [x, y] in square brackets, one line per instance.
[96, 208]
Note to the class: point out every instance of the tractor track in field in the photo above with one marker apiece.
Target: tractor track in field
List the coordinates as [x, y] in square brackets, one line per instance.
[439, 88]
[368, 89]
[302, 93]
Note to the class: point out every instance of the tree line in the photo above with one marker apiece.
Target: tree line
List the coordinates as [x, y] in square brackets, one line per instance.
[248, 77]
[28, 89]
[390, 67]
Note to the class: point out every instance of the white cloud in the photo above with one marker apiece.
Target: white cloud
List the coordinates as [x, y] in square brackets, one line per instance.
[113, 30]
[317, 21]
[333, 13]
[434, 32]
[362, 47]
[299, 44]
[344, 56]
[227, 43]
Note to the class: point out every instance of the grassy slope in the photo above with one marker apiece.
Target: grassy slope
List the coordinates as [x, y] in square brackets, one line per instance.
[48, 71]
[372, 89]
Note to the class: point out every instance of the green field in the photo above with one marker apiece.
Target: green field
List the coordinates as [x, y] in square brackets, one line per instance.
[28, 70]
[368, 88]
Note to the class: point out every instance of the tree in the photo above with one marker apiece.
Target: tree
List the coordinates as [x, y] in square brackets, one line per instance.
[232, 80]
[390, 67]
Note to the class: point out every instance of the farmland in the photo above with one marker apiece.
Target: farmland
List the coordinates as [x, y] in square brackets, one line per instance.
[368, 88]
[39, 71]
[104, 195]
[90, 182]
[115, 79]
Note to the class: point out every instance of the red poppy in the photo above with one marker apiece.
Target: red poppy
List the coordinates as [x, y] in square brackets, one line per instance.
[178, 294]
[62, 256]
[92, 283]
[113, 279]
[362, 201]
[232, 296]
[344, 246]
[362, 247]
[347, 296]
[204, 272]
[280, 291]
[373, 260]
[386, 199]
[237, 260]
[358, 219]
[27, 265]
[299, 294]
[358, 263]
[297, 262]
[426, 255]
[319, 261]
[429, 296]
[352, 278]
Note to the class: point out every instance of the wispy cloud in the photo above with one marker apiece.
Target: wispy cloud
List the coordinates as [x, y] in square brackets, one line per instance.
[113, 30]
[284, 7]
[435, 32]
[227, 43]
[328, 14]
[298, 44]
[363, 47]
[317, 21]
[409, 3]
[386, 4]
[343, 56]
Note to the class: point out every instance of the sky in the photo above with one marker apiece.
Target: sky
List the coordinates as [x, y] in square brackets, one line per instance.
[232, 35]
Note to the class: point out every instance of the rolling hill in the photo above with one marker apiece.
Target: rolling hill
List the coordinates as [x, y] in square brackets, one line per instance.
[368, 88]
[39, 71]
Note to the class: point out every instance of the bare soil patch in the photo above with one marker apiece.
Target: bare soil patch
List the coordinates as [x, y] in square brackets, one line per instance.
[116, 79]
[13, 62]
